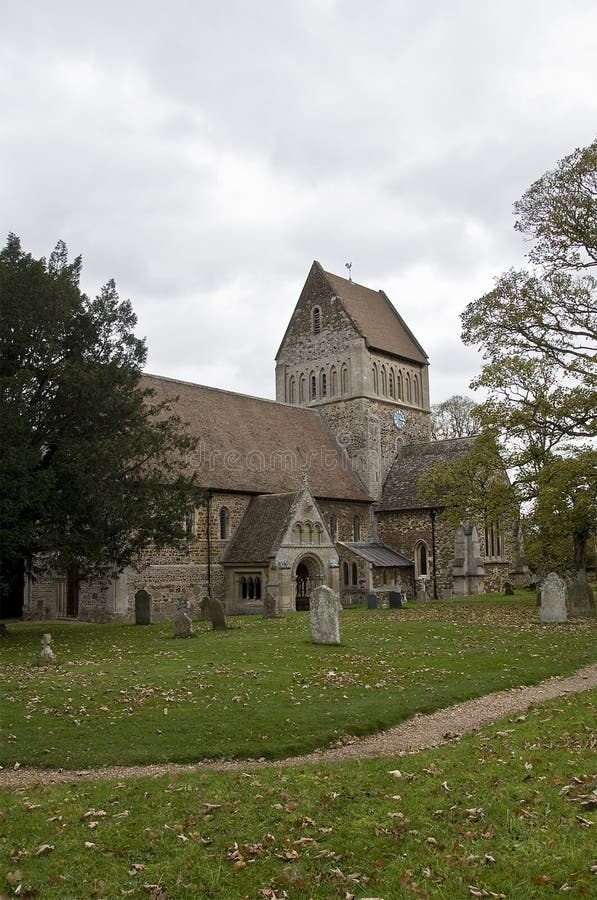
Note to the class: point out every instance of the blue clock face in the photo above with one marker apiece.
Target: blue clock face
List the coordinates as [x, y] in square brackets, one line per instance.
[399, 419]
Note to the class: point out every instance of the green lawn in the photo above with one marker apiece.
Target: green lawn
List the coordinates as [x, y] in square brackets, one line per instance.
[131, 694]
[506, 812]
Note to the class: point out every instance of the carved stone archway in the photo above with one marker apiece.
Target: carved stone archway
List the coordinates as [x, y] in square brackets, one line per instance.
[308, 574]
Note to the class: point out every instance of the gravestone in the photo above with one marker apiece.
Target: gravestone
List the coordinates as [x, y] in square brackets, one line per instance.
[46, 656]
[508, 589]
[217, 614]
[371, 601]
[142, 608]
[581, 601]
[324, 616]
[183, 627]
[269, 606]
[395, 600]
[553, 599]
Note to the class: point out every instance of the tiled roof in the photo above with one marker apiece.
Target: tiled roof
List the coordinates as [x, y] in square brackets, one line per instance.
[377, 320]
[256, 446]
[260, 530]
[378, 554]
[412, 460]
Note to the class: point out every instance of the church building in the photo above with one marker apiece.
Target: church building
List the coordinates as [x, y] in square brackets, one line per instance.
[316, 487]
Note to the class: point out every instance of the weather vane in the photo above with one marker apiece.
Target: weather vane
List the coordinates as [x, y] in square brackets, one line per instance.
[349, 267]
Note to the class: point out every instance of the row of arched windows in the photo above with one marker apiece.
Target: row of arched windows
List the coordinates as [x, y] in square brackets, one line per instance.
[307, 532]
[250, 588]
[350, 575]
[395, 383]
[494, 544]
[319, 384]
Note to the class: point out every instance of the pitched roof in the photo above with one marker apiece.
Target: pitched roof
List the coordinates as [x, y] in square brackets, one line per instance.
[256, 446]
[412, 460]
[378, 554]
[377, 319]
[260, 530]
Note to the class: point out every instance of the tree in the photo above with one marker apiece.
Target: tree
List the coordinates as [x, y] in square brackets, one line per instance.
[92, 470]
[473, 487]
[559, 213]
[538, 334]
[453, 418]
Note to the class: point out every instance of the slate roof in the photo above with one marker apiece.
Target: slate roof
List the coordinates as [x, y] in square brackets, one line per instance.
[378, 554]
[260, 530]
[255, 446]
[377, 319]
[411, 461]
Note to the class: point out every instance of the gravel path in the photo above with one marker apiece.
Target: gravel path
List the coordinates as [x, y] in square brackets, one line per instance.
[418, 733]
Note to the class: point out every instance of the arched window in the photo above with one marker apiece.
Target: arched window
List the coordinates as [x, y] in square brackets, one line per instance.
[408, 389]
[384, 381]
[308, 533]
[316, 320]
[345, 573]
[313, 393]
[493, 540]
[317, 533]
[323, 384]
[302, 385]
[292, 390]
[244, 589]
[391, 379]
[356, 529]
[298, 533]
[333, 382]
[355, 575]
[375, 379]
[344, 380]
[399, 385]
[224, 523]
[333, 527]
[421, 559]
[258, 588]
[189, 523]
[416, 388]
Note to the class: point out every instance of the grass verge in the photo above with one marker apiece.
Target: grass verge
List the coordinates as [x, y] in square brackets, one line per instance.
[506, 812]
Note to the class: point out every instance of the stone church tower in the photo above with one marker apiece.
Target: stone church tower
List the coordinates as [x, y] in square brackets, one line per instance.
[349, 353]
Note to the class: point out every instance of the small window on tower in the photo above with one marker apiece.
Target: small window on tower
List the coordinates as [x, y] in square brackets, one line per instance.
[313, 387]
[316, 320]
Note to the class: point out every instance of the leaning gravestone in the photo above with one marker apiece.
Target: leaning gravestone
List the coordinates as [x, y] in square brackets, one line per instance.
[395, 600]
[324, 619]
[46, 656]
[553, 599]
[183, 627]
[581, 601]
[217, 614]
[371, 601]
[142, 608]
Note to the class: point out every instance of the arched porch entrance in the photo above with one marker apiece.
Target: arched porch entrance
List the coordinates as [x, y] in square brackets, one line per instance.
[307, 576]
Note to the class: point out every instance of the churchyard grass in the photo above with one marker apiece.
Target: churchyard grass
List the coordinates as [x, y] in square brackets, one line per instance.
[126, 694]
[504, 812]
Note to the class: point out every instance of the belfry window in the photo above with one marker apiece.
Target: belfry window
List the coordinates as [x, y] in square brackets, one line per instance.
[324, 384]
[391, 380]
[313, 387]
[224, 523]
[333, 527]
[355, 575]
[302, 381]
[356, 529]
[316, 320]
[345, 574]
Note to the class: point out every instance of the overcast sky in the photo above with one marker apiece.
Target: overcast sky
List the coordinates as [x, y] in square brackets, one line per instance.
[204, 153]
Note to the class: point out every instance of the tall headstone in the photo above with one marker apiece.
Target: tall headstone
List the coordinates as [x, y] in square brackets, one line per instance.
[553, 599]
[183, 627]
[324, 614]
[217, 614]
[581, 600]
[269, 606]
[371, 601]
[395, 600]
[142, 608]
